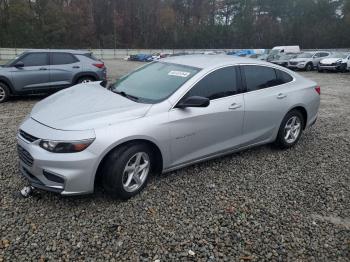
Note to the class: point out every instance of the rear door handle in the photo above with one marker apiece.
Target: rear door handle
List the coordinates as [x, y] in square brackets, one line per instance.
[281, 96]
[76, 66]
[42, 68]
[235, 106]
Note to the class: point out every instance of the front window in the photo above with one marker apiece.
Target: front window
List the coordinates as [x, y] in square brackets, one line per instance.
[153, 82]
[218, 84]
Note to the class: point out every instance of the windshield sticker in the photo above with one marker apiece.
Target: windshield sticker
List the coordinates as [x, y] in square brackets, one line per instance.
[179, 73]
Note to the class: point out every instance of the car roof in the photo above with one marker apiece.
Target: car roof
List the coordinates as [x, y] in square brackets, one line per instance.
[210, 61]
[76, 52]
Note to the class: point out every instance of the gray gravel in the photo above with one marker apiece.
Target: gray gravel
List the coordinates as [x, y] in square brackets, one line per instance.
[258, 205]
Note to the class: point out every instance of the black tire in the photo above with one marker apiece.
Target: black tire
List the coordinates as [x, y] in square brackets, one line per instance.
[4, 93]
[85, 79]
[319, 69]
[342, 68]
[281, 140]
[309, 67]
[113, 175]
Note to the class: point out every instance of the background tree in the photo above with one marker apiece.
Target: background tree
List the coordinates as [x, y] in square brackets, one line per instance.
[174, 23]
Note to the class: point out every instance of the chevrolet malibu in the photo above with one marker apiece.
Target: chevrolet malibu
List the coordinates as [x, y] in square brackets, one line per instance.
[163, 116]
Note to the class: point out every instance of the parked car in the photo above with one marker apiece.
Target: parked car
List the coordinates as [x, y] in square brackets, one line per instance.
[166, 115]
[44, 71]
[263, 57]
[283, 59]
[308, 61]
[339, 62]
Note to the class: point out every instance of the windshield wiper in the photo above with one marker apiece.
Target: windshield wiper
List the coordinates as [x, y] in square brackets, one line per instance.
[122, 93]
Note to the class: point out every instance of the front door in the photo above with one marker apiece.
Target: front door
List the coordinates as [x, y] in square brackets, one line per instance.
[34, 75]
[202, 132]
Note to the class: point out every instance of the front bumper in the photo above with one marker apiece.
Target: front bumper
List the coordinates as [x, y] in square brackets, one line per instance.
[67, 174]
[329, 67]
[297, 66]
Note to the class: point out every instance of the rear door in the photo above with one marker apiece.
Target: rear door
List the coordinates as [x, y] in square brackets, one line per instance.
[63, 68]
[35, 75]
[265, 99]
[201, 132]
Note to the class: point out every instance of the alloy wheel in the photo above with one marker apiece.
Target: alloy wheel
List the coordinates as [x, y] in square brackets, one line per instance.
[2, 94]
[136, 171]
[292, 129]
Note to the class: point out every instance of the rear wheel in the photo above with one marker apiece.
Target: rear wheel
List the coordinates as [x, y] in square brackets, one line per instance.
[290, 130]
[126, 170]
[85, 79]
[4, 93]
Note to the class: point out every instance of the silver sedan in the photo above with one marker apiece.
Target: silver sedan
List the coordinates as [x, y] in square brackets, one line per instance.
[161, 117]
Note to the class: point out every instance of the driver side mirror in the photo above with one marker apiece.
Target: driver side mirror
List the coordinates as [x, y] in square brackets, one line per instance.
[19, 64]
[194, 101]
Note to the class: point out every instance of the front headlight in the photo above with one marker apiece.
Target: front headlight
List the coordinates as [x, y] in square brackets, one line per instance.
[65, 146]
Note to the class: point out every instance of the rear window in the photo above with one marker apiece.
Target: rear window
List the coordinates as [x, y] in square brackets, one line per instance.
[259, 77]
[91, 56]
[62, 59]
[283, 77]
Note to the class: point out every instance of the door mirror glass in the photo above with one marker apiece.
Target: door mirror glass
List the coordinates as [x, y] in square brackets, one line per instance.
[19, 64]
[194, 101]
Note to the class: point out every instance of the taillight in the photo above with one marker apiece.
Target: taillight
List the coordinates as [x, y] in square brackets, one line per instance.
[99, 65]
[318, 89]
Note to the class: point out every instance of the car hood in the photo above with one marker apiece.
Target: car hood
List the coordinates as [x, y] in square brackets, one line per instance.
[279, 61]
[330, 60]
[86, 106]
[300, 59]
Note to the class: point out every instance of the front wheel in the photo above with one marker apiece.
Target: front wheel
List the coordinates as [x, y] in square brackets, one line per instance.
[126, 170]
[309, 67]
[4, 93]
[290, 129]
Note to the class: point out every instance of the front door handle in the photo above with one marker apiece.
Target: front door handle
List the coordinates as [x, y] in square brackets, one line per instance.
[76, 66]
[42, 68]
[281, 96]
[235, 106]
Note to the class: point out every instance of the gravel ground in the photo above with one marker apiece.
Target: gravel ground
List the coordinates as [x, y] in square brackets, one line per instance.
[258, 205]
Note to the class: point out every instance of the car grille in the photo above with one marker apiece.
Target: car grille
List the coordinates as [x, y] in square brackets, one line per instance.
[293, 63]
[27, 136]
[25, 156]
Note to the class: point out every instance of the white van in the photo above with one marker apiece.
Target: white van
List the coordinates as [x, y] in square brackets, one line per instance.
[285, 49]
[295, 49]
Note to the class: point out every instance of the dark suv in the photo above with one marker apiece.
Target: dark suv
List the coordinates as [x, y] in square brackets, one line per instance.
[43, 71]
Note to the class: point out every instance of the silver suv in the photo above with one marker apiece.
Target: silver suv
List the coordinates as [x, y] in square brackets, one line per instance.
[45, 71]
[307, 61]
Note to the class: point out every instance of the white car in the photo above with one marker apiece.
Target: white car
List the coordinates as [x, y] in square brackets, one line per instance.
[339, 62]
[307, 61]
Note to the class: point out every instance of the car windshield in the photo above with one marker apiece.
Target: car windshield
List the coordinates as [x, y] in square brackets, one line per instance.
[153, 82]
[286, 56]
[305, 55]
[8, 63]
[338, 55]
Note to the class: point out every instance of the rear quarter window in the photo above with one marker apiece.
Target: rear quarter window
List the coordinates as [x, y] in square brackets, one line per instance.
[283, 77]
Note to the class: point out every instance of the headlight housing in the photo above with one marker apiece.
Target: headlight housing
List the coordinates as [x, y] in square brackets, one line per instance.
[65, 146]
